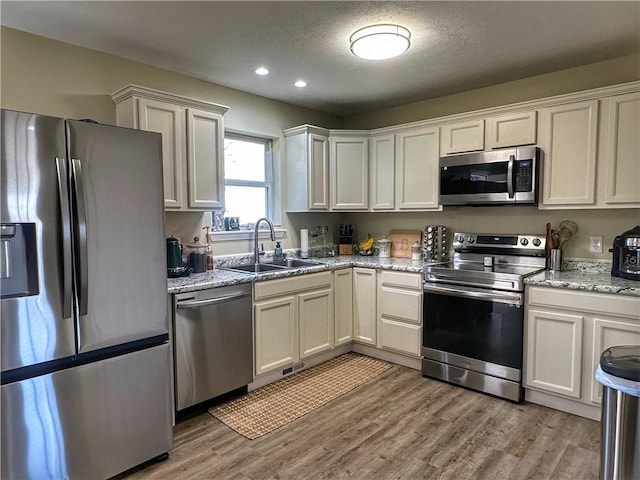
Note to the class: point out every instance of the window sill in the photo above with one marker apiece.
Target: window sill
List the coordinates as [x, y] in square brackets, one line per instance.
[244, 235]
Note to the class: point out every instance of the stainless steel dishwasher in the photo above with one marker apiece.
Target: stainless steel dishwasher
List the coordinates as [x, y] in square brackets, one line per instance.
[213, 343]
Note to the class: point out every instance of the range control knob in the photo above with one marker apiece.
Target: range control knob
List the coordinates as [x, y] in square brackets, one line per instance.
[536, 242]
[471, 239]
[524, 242]
[460, 239]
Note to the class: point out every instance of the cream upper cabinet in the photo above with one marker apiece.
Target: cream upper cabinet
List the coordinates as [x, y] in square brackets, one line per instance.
[511, 130]
[417, 168]
[192, 143]
[205, 138]
[382, 171]
[459, 137]
[364, 305]
[349, 166]
[619, 154]
[343, 306]
[307, 168]
[568, 137]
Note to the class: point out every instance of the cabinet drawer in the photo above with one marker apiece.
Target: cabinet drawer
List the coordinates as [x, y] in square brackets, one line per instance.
[401, 304]
[401, 337]
[610, 304]
[284, 286]
[402, 279]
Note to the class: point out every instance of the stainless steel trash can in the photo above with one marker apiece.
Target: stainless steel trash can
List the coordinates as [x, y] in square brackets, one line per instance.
[619, 373]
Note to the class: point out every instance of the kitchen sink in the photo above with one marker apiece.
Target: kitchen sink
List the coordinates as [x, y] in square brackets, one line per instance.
[271, 266]
[253, 268]
[293, 263]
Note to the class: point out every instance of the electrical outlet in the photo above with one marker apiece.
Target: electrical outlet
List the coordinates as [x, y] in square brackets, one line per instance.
[595, 244]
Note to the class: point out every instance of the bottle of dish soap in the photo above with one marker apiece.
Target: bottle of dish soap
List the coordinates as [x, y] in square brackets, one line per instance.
[277, 253]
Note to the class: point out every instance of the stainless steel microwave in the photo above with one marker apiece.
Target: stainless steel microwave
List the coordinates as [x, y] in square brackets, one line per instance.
[500, 177]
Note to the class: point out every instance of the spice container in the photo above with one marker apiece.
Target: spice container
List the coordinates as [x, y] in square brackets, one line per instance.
[197, 255]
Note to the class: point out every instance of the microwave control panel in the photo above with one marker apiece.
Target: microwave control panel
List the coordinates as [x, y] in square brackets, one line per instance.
[524, 175]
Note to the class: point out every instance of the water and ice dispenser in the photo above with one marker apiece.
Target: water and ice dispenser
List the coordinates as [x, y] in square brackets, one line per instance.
[18, 260]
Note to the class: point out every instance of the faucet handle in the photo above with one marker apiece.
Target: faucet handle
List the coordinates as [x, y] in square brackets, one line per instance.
[261, 252]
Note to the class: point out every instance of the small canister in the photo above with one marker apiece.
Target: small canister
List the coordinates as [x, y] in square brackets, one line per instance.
[416, 252]
[384, 248]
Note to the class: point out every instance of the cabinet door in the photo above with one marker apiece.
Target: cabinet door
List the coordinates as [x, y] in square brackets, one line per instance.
[275, 333]
[554, 352]
[316, 322]
[349, 173]
[512, 130]
[382, 173]
[417, 169]
[467, 136]
[621, 160]
[167, 120]
[364, 305]
[405, 305]
[343, 305]
[318, 171]
[399, 336]
[568, 140]
[609, 333]
[205, 162]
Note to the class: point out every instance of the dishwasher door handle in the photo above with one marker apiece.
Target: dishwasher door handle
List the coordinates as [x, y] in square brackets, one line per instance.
[210, 301]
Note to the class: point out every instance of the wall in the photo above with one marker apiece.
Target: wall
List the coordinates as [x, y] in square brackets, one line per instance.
[54, 78]
[601, 74]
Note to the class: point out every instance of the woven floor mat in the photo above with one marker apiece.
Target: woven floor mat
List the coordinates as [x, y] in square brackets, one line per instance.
[272, 406]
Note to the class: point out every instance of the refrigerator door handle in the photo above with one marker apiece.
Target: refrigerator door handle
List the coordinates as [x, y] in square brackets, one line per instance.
[82, 257]
[63, 193]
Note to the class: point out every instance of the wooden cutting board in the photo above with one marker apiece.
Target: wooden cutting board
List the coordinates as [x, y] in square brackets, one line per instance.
[401, 241]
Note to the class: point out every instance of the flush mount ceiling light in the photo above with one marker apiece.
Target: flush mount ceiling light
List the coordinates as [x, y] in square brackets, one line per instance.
[379, 42]
[262, 71]
[300, 84]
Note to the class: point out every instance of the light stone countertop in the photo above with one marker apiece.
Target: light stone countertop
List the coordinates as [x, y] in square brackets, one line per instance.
[585, 276]
[220, 277]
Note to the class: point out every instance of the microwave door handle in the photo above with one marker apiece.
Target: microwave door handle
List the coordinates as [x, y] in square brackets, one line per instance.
[510, 179]
[65, 217]
[82, 258]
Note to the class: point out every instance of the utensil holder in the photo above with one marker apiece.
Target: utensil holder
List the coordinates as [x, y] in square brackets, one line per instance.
[555, 260]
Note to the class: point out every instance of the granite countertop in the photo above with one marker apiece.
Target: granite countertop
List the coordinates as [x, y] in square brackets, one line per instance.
[578, 275]
[586, 276]
[220, 277]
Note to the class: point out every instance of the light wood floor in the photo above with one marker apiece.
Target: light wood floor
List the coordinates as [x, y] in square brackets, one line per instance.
[398, 426]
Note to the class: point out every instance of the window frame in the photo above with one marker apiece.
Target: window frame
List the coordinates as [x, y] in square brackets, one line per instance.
[267, 184]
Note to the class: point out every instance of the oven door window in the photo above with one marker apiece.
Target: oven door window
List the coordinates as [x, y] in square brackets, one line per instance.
[480, 329]
[476, 178]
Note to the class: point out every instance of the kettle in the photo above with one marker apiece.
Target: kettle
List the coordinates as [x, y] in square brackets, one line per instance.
[175, 265]
[626, 255]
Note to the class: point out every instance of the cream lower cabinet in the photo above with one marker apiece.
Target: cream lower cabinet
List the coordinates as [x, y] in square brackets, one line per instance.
[192, 143]
[364, 306]
[293, 319]
[343, 306]
[400, 312]
[566, 333]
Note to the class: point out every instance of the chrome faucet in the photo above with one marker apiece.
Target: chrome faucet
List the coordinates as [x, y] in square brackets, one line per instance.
[256, 251]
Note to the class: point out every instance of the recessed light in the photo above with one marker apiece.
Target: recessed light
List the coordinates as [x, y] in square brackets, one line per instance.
[301, 84]
[380, 42]
[262, 71]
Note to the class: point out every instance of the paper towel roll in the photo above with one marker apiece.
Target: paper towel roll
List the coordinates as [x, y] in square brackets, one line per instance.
[304, 243]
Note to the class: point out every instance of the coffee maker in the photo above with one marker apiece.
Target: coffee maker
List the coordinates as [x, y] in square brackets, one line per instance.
[626, 254]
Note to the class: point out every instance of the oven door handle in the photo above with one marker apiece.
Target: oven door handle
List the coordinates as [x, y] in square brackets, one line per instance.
[490, 295]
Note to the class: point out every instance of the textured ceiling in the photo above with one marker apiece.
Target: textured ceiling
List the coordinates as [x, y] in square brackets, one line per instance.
[456, 46]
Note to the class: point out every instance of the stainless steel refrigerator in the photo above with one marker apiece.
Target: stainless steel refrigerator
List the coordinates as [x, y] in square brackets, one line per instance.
[84, 327]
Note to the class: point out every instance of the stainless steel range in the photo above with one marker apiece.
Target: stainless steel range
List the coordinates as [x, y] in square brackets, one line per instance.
[473, 312]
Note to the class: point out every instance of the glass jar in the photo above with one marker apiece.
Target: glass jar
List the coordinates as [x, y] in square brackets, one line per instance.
[196, 255]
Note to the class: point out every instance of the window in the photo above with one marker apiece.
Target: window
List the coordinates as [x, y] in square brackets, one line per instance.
[247, 177]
